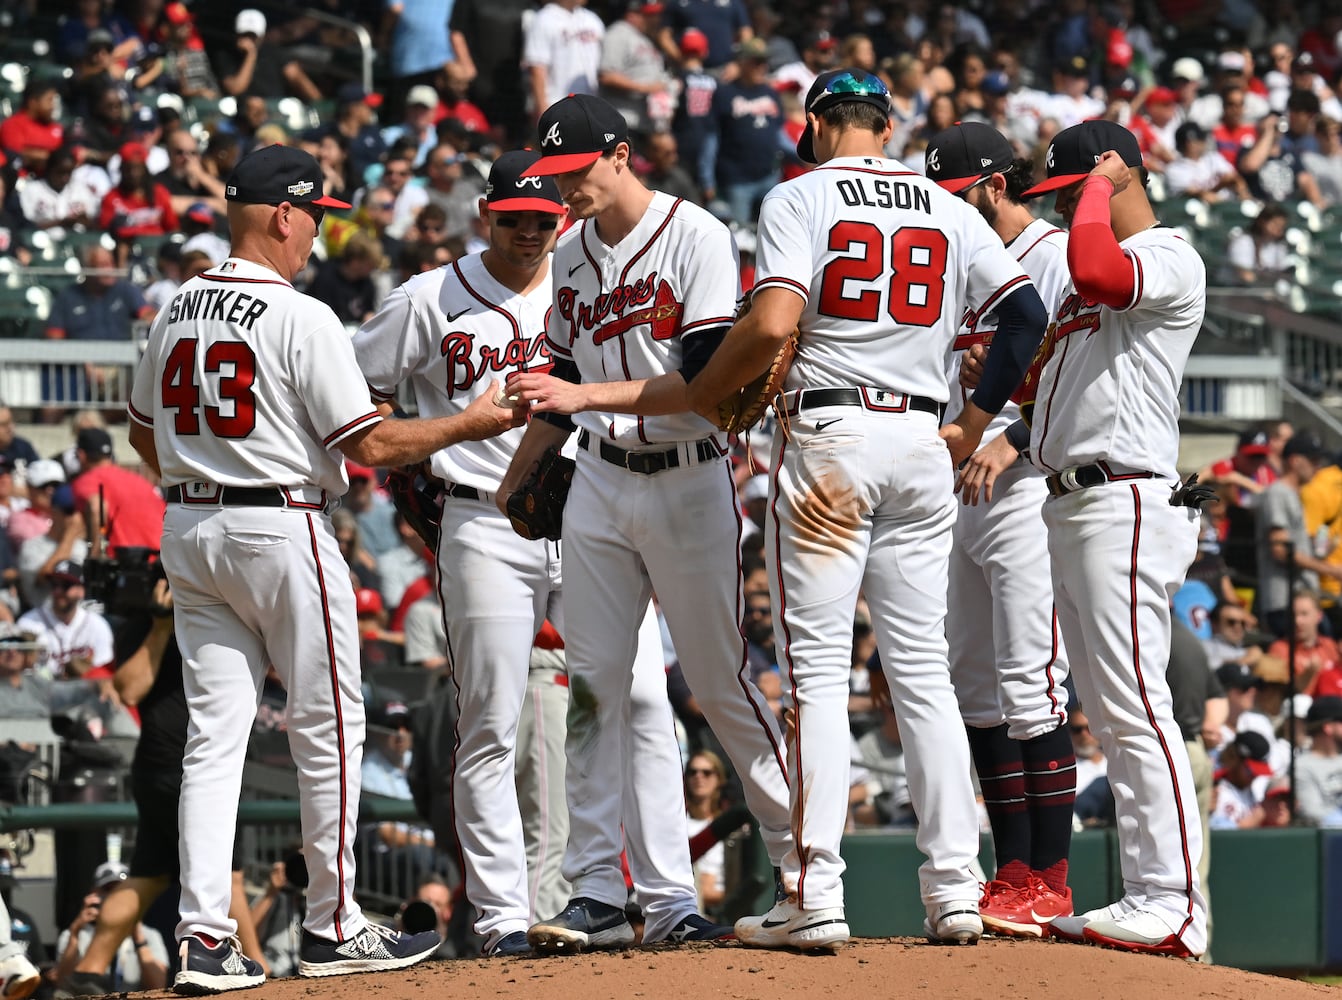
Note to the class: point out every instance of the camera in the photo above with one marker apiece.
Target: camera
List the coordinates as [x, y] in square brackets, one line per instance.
[125, 584]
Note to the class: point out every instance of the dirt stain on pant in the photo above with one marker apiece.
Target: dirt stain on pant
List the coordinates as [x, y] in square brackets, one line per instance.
[827, 516]
[582, 713]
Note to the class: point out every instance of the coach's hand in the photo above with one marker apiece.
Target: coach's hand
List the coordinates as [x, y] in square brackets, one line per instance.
[485, 419]
[971, 366]
[981, 469]
[544, 393]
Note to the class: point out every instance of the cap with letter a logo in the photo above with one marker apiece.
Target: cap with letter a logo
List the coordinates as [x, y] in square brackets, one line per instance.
[962, 155]
[576, 132]
[1075, 151]
[275, 174]
[510, 190]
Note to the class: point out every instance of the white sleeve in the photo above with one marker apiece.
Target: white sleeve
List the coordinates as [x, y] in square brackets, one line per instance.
[390, 346]
[785, 254]
[993, 272]
[100, 639]
[1179, 175]
[712, 283]
[1240, 252]
[536, 47]
[328, 380]
[1167, 273]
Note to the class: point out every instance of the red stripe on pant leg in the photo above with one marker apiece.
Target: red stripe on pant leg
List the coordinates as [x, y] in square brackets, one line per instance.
[1052, 689]
[334, 672]
[798, 792]
[1150, 715]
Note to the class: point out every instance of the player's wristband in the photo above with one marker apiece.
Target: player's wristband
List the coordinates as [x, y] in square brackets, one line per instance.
[1018, 435]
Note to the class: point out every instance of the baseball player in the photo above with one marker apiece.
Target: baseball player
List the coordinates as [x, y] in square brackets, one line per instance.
[645, 286]
[18, 976]
[244, 389]
[1121, 529]
[451, 331]
[877, 266]
[1009, 673]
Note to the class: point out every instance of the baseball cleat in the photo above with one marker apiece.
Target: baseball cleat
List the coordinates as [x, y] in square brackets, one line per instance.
[18, 976]
[954, 922]
[1138, 930]
[697, 927]
[1022, 911]
[788, 926]
[205, 970]
[373, 949]
[1073, 928]
[86, 984]
[510, 946]
[581, 926]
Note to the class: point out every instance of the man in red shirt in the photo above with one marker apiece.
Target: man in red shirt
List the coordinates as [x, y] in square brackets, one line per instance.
[1318, 664]
[32, 133]
[138, 205]
[118, 504]
[1233, 135]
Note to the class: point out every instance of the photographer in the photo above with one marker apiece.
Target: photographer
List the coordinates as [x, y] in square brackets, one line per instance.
[118, 505]
[141, 962]
[430, 910]
[149, 677]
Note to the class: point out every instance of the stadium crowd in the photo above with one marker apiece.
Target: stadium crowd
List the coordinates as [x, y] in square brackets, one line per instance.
[118, 140]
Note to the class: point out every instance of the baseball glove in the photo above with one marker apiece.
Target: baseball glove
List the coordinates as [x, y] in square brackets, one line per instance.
[743, 408]
[413, 491]
[536, 509]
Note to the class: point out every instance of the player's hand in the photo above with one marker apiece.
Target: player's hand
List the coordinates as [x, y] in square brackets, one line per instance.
[981, 469]
[544, 393]
[485, 419]
[971, 366]
[1112, 168]
[960, 441]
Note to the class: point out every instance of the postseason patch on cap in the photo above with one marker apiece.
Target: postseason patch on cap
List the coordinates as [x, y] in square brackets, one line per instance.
[275, 174]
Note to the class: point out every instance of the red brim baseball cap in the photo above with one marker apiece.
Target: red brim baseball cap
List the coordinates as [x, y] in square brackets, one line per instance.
[575, 133]
[1075, 151]
[512, 189]
[964, 154]
[1259, 768]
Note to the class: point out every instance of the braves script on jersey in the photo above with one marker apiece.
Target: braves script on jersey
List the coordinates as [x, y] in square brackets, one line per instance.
[258, 382]
[1109, 389]
[881, 296]
[620, 313]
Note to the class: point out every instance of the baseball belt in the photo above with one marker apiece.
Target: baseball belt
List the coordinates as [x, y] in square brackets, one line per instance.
[876, 400]
[243, 496]
[647, 463]
[1085, 476]
[461, 492]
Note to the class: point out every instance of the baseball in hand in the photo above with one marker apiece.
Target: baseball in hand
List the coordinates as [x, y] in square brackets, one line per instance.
[505, 400]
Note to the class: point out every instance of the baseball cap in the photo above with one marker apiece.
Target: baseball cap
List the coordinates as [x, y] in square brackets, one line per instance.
[393, 713]
[133, 152]
[1304, 443]
[1187, 68]
[275, 174]
[996, 83]
[145, 119]
[108, 873]
[68, 571]
[250, 22]
[94, 441]
[837, 87]
[1074, 152]
[100, 37]
[1119, 50]
[576, 132]
[356, 471]
[508, 190]
[646, 6]
[1189, 131]
[1161, 95]
[694, 43]
[1074, 66]
[353, 93]
[1303, 63]
[1253, 442]
[1278, 788]
[962, 155]
[422, 94]
[817, 40]
[1253, 750]
[1237, 677]
[200, 212]
[1325, 709]
[177, 13]
[1230, 62]
[367, 601]
[63, 498]
[753, 50]
[44, 472]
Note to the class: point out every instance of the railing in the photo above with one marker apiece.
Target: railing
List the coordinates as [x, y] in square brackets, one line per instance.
[67, 374]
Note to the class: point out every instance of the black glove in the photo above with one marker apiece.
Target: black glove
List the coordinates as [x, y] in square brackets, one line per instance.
[536, 509]
[413, 491]
[1191, 493]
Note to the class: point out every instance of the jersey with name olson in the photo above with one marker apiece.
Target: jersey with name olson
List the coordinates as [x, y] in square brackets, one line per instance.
[1041, 248]
[451, 331]
[621, 312]
[887, 263]
[248, 382]
[1109, 388]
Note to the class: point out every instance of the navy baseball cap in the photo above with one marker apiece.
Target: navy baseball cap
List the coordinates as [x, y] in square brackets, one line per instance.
[1074, 152]
[836, 87]
[511, 190]
[576, 132]
[962, 155]
[275, 174]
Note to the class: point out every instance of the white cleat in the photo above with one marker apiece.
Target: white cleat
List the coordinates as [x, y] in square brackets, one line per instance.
[1074, 928]
[18, 976]
[1140, 931]
[954, 922]
[788, 926]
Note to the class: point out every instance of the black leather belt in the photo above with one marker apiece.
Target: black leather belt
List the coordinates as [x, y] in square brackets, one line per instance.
[464, 492]
[876, 400]
[647, 463]
[233, 496]
[1085, 476]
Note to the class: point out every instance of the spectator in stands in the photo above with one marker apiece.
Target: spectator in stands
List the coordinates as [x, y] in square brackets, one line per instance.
[562, 53]
[32, 133]
[418, 41]
[66, 538]
[168, 270]
[881, 753]
[1305, 76]
[101, 305]
[141, 961]
[1229, 642]
[408, 198]
[748, 130]
[401, 566]
[371, 509]
[764, 22]
[138, 205]
[104, 131]
[1155, 127]
[375, 214]
[819, 50]
[200, 227]
[1091, 768]
[1273, 165]
[119, 506]
[450, 189]
[78, 641]
[1242, 688]
[761, 656]
[664, 170]
[34, 518]
[90, 16]
[425, 638]
[1318, 771]
[186, 179]
[693, 120]
[632, 73]
[1281, 520]
[1071, 102]
[186, 68]
[361, 562]
[455, 106]
[1241, 783]
[54, 202]
[857, 50]
[346, 283]
[145, 129]
[1199, 170]
[355, 120]
[332, 154]
[251, 66]
[430, 226]
[725, 25]
[494, 28]
[417, 123]
[24, 693]
[93, 72]
[379, 648]
[1231, 75]
[908, 102]
[1318, 663]
[1233, 134]
[403, 852]
[1325, 163]
[16, 451]
[195, 262]
[1322, 501]
[705, 783]
[435, 894]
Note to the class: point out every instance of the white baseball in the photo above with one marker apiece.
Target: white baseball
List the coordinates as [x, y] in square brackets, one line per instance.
[505, 400]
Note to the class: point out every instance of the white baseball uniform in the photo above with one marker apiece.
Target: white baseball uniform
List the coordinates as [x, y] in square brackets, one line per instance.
[85, 636]
[247, 385]
[450, 332]
[1007, 662]
[1108, 399]
[860, 496]
[652, 507]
